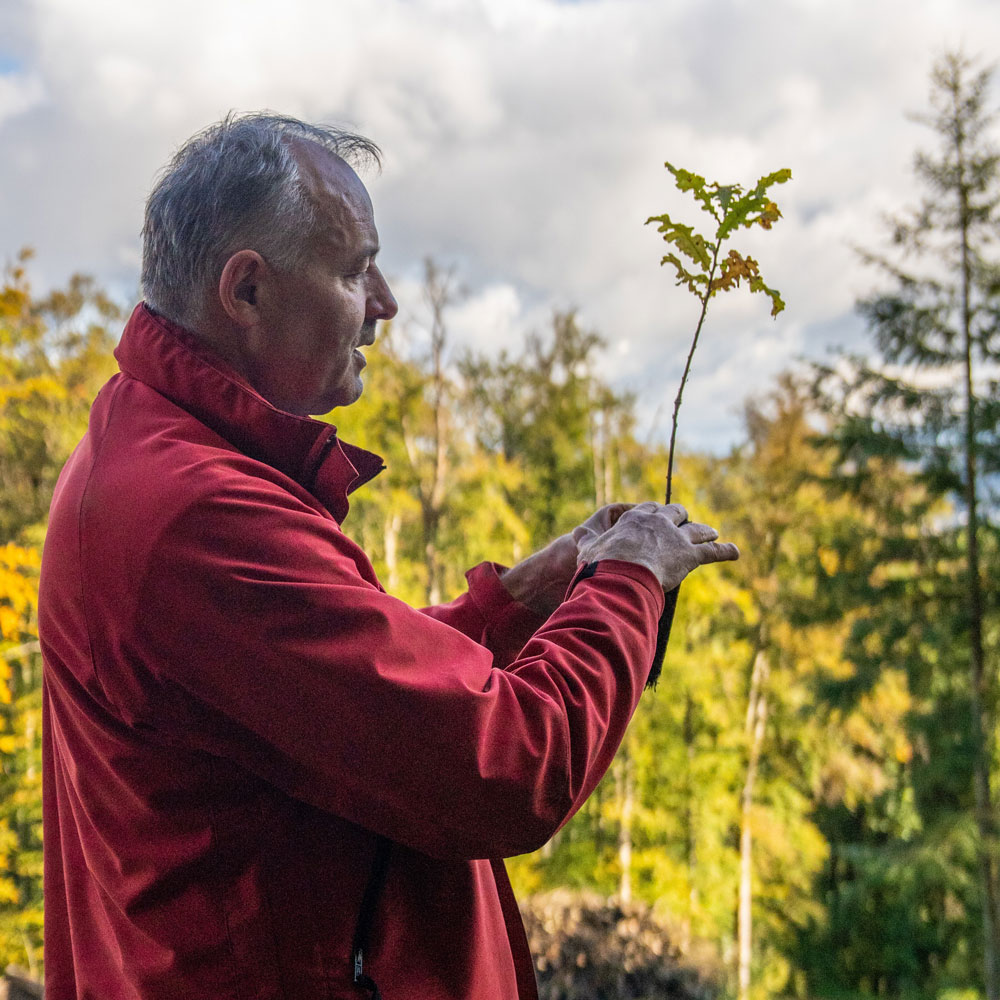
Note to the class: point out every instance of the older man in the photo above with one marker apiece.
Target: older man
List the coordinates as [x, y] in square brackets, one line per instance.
[264, 776]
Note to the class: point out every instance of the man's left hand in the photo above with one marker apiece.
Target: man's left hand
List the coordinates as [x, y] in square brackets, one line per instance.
[540, 581]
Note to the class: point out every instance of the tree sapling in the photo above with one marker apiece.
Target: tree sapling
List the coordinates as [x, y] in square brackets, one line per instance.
[699, 267]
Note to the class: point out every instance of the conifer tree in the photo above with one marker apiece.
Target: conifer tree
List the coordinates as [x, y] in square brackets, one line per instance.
[928, 398]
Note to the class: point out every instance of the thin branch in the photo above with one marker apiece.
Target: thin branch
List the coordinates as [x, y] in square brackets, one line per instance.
[687, 369]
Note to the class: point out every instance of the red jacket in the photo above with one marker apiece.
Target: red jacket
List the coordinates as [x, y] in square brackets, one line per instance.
[234, 708]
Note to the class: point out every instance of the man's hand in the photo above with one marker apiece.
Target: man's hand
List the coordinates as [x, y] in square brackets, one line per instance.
[656, 536]
[540, 581]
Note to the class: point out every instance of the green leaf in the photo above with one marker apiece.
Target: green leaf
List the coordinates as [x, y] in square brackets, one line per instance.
[777, 177]
[705, 193]
[685, 179]
[724, 195]
[685, 277]
[777, 303]
[693, 245]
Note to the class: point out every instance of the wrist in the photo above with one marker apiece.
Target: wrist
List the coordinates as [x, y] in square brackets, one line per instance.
[540, 581]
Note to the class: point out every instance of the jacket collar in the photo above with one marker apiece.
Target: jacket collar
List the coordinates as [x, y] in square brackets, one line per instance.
[177, 365]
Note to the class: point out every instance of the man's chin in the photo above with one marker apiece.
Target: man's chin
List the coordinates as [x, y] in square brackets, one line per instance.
[342, 398]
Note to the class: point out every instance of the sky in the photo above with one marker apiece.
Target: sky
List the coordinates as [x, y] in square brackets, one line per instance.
[524, 143]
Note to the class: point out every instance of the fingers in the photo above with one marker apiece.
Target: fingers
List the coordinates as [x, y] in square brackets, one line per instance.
[615, 511]
[657, 536]
[699, 533]
[610, 513]
[703, 537]
[587, 551]
[713, 552]
[674, 511]
[606, 517]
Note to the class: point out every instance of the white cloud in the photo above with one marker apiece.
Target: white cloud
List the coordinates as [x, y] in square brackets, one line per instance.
[19, 93]
[524, 142]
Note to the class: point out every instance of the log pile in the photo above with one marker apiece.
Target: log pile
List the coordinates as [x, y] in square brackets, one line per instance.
[587, 947]
[16, 984]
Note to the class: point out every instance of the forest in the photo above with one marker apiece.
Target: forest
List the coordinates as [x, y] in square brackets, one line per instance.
[808, 797]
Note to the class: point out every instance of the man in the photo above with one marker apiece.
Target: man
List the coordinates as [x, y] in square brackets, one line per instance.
[264, 777]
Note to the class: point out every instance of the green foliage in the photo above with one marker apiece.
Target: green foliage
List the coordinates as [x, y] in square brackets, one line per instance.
[687, 749]
[541, 411]
[914, 433]
[446, 501]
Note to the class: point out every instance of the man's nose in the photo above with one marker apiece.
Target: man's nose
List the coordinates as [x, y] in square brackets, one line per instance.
[381, 302]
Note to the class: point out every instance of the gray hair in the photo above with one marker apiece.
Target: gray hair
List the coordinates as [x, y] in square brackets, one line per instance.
[234, 185]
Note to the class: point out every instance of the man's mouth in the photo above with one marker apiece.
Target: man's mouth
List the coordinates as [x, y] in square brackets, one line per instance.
[367, 335]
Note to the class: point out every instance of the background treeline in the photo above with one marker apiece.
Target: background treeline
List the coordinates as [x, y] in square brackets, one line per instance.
[810, 793]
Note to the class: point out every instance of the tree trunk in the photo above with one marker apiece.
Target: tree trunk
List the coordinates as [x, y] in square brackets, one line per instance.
[390, 534]
[609, 470]
[627, 797]
[979, 695]
[432, 486]
[756, 720]
[691, 844]
[432, 561]
[600, 456]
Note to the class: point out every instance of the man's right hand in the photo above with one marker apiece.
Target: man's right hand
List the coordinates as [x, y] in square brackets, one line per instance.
[659, 537]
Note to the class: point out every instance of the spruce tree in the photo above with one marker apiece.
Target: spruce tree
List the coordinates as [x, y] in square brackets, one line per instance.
[929, 401]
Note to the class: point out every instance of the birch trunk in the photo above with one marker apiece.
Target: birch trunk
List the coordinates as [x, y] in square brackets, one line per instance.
[625, 826]
[756, 721]
[691, 845]
[390, 536]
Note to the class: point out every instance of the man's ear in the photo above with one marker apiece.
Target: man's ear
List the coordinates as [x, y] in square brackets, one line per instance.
[239, 285]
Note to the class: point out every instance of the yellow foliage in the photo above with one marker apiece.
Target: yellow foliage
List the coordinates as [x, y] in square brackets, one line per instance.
[19, 568]
[526, 877]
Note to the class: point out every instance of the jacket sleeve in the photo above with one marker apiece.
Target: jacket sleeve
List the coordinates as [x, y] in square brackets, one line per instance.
[258, 639]
[488, 614]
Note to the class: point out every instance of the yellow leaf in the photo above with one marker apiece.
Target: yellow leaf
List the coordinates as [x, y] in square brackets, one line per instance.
[769, 216]
[735, 267]
[828, 559]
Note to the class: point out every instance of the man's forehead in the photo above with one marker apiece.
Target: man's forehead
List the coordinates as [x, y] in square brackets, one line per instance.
[324, 172]
[345, 209]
